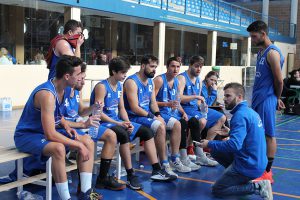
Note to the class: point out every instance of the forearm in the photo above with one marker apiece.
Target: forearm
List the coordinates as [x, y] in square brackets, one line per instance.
[186, 99]
[278, 86]
[77, 51]
[105, 118]
[123, 115]
[60, 138]
[85, 111]
[162, 104]
[140, 111]
[80, 125]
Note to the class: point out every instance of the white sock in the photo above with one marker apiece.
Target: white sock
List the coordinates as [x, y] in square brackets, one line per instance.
[86, 181]
[183, 154]
[199, 152]
[63, 190]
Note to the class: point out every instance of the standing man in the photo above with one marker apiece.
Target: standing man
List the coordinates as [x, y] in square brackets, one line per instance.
[67, 44]
[142, 108]
[267, 87]
[244, 154]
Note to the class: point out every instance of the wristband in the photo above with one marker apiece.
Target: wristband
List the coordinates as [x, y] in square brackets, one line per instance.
[150, 115]
[157, 113]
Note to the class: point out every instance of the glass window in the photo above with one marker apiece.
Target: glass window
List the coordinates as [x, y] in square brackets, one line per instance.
[229, 52]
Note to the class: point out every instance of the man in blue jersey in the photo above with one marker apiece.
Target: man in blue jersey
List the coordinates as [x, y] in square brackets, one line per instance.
[37, 130]
[141, 106]
[72, 109]
[244, 154]
[67, 44]
[191, 100]
[267, 87]
[114, 116]
[168, 100]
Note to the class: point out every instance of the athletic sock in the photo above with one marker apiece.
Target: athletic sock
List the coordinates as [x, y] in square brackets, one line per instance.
[129, 172]
[183, 154]
[199, 152]
[63, 190]
[270, 163]
[156, 167]
[104, 168]
[85, 181]
[174, 156]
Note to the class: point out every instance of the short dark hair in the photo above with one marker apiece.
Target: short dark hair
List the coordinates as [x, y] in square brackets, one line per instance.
[71, 25]
[83, 67]
[118, 64]
[238, 88]
[146, 59]
[195, 59]
[172, 59]
[258, 26]
[212, 73]
[66, 65]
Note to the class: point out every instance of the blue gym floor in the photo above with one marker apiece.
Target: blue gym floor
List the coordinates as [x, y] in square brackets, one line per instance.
[195, 185]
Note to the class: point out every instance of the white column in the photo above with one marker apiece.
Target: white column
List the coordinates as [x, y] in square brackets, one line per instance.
[248, 61]
[72, 13]
[294, 10]
[265, 11]
[159, 39]
[211, 48]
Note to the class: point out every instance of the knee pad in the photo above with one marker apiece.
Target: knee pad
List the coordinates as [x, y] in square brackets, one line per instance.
[193, 123]
[122, 134]
[145, 133]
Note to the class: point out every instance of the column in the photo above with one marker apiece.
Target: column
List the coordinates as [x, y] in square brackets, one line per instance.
[293, 25]
[72, 13]
[159, 39]
[265, 11]
[211, 48]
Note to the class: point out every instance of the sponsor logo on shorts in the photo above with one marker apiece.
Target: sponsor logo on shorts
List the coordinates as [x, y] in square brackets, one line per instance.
[43, 140]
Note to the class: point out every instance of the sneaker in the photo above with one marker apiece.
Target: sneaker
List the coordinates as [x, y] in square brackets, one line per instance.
[205, 161]
[90, 195]
[266, 176]
[191, 153]
[168, 169]
[265, 189]
[133, 182]
[187, 162]
[162, 175]
[178, 166]
[109, 183]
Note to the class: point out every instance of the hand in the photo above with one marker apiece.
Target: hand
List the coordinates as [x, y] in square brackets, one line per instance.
[80, 40]
[280, 105]
[72, 133]
[200, 98]
[203, 143]
[92, 121]
[130, 127]
[83, 152]
[224, 131]
[214, 86]
[185, 117]
[159, 118]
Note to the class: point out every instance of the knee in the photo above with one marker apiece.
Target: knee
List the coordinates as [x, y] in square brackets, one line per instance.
[222, 120]
[122, 137]
[88, 142]
[147, 133]
[110, 137]
[202, 123]
[59, 151]
[161, 130]
[193, 123]
[177, 125]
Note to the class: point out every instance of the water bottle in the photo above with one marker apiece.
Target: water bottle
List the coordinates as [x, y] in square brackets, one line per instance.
[93, 131]
[203, 109]
[25, 195]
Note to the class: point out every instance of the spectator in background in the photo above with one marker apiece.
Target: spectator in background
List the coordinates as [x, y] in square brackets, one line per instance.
[4, 58]
[209, 87]
[39, 58]
[294, 79]
[101, 58]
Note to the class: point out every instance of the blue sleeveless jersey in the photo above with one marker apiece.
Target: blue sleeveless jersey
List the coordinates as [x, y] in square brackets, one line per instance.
[54, 60]
[144, 94]
[191, 89]
[264, 80]
[166, 93]
[111, 100]
[30, 120]
[70, 106]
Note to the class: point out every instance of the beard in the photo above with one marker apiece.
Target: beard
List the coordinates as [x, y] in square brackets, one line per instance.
[231, 105]
[149, 74]
[260, 43]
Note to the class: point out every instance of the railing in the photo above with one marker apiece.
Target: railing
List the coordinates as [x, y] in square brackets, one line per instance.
[221, 11]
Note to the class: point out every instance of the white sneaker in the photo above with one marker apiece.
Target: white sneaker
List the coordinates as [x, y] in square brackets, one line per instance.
[168, 169]
[192, 157]
[178, 166]
[265, 189]
[205, 161]
[187, 162]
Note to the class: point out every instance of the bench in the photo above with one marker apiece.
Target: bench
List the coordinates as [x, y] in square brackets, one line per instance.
[11, 154]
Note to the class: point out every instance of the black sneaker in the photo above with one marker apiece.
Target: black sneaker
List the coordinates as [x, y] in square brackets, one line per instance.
[133, 182]
[162, 175]
[109, 183]
[90, 195]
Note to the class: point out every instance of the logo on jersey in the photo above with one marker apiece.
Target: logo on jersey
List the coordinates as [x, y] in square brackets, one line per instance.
[150, 88]
[165, 89]
[258, 74]
[67, 104]
[189, 87]
[262, 61]
[141, 91]
[260, 124]
[119, 94]
[173, 92]
[43, 140]
[109, 95]
[77, 98]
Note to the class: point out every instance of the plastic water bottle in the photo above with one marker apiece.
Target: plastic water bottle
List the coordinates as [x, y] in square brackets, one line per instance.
[203, 109]
[93, 131]
[25, 195]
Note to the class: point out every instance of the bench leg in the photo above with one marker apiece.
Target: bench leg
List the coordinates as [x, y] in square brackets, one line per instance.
[137, 154]
[95, 158]
[49, 179]
[20, 173]
[118, 165]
